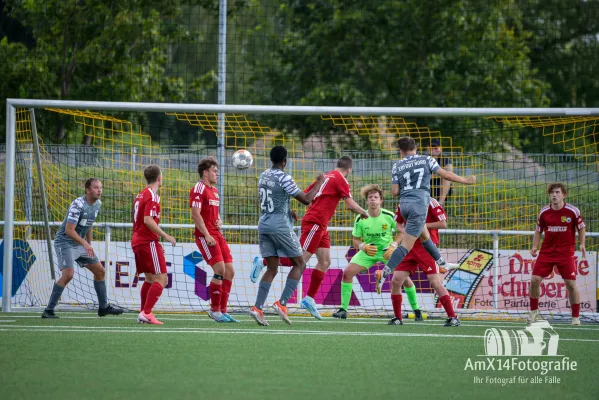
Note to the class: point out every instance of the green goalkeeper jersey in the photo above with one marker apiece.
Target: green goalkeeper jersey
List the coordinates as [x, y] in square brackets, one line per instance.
[376, 230]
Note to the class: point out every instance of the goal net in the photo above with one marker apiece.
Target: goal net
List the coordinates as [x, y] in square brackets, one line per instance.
[489, 225]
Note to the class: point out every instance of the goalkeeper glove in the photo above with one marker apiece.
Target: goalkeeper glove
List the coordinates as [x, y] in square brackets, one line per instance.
[390, 250]
[369, 249]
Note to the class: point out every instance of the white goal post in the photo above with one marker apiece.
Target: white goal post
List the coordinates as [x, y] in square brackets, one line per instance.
[12, 105]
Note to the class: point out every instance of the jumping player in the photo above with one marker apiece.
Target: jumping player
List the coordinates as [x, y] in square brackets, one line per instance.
[411, 180]
[275, 229]
[315, 237]
[559, 221]
[204, 203]
[149, 254]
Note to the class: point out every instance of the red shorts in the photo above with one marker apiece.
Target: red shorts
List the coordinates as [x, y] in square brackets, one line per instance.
[314, 236]
[149, 258]
[419, 258]
[217, 253]
[545, 263]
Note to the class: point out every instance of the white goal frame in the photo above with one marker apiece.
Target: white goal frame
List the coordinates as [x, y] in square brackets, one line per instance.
[13, 104]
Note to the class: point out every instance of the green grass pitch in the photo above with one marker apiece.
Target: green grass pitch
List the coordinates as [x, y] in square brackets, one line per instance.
[82, 356]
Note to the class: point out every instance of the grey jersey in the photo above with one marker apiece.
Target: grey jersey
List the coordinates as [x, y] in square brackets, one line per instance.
[83, 215]
[276, 188]
[413, 175]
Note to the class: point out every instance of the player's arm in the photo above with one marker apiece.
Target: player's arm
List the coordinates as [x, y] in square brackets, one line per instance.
[306, 198]
[582, 238]
[201, 226]
[450, 176]
[365, 247]
[395, 189]
[400, 228]
[437, 225]
[70, 232]
[536, 239]
[445, 185]
[153, 226]
[88, 235]
[352, 205]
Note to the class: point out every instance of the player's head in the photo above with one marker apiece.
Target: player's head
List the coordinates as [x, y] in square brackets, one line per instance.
[278, 156]
[208, 170]
[557, 192]
[407, 145]
[93, 188]
[434, 147]
[373, 195]
[153, 175]
[345, 165]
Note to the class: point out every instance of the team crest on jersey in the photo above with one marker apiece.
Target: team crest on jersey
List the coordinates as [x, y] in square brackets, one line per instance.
[385, 227]
[216, 195]
[566, 219]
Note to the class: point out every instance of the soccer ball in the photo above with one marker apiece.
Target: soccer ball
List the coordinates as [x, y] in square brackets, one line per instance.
[242, 159]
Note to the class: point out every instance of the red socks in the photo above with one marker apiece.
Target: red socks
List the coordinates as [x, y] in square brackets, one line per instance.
[446, 302]
[534, 304]
[315, 281]
[396, 301]
[215, 295]
[575, 310]
[152, 297]
[224, 296]
[144, 293]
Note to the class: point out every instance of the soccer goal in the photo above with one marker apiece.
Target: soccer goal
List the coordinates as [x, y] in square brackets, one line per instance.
[514, 153]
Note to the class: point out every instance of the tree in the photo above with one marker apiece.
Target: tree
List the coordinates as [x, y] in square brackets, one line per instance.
[389, 53]
[97, 50]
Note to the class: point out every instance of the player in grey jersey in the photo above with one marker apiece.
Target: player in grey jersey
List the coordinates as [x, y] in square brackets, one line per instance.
[411, 181]
[73, 245]
[275, 230]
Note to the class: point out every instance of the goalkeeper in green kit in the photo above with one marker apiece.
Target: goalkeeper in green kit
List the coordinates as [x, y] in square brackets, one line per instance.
[372, 237]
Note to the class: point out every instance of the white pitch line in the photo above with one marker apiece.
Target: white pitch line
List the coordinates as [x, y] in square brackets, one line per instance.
[310, 320]
[7, 320]
[266, 331]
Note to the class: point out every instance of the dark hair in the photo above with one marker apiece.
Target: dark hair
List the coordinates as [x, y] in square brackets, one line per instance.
[345, 162]
[406, 143]
[89, 182]
[557, 185]
[152, 173]
[205, 164]
[278, 154]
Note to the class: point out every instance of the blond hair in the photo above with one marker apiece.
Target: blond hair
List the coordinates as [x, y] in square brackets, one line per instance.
[366, 190]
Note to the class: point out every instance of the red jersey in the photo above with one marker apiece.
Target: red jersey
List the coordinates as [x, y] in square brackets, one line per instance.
[334, 188]
[560, 229]
[435, 213]
[206, 199]
[147, 203]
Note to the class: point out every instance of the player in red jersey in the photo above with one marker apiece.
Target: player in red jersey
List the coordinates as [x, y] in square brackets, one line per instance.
[419, 257]
[149, 255]
[560, 221]
[205, 205]
[314, 237]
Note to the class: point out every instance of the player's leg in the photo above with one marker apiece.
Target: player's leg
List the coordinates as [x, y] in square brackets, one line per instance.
[567, 269]
[151, 262]
[410, 289]
[288, 245]
[269, 253]
[437, 285]
[398, 280]
[431, 248]
[214, 257]
[352, 270]
[66, 263]
[323, 257]
[574, 297]
[542, 268]
[138, 253]
[99, 272]
[227, 284]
